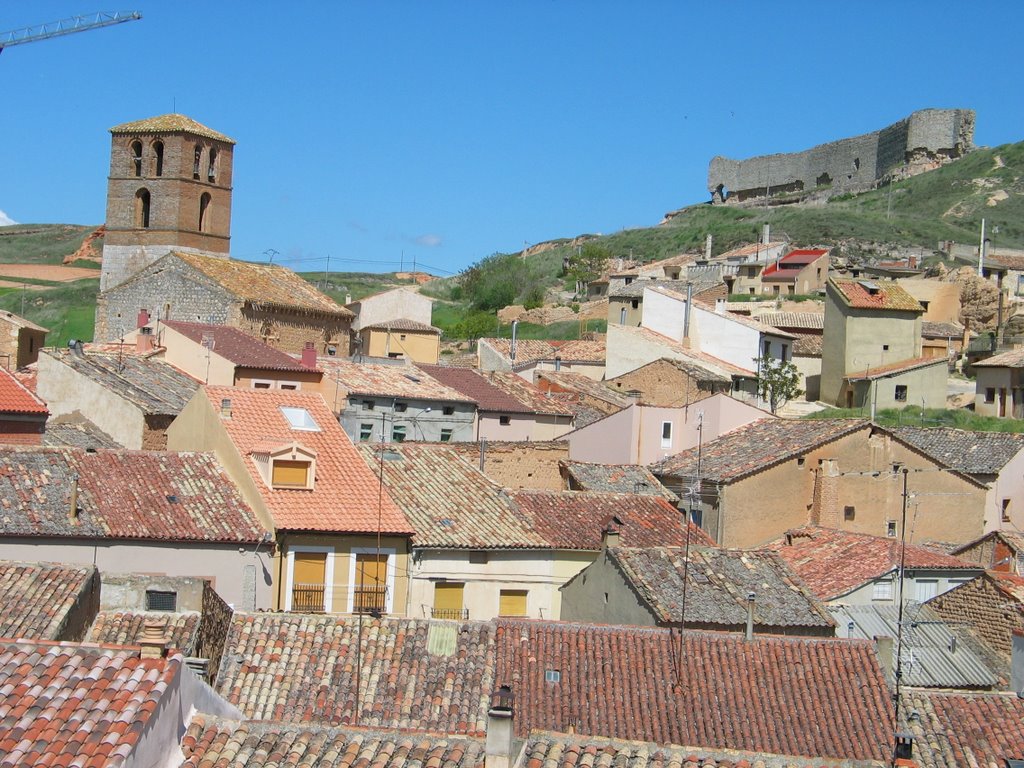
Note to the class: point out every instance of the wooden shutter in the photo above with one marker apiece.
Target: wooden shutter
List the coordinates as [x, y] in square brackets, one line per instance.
[448, 599]
[308, 576]
[371, 583]
[294, 474]
[512, 602]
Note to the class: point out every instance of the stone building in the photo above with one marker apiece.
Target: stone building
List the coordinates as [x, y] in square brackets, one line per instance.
[267, 301]
[169, 189]
[20, 340]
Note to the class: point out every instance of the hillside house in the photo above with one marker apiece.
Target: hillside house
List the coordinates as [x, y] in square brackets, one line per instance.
[802, 271]
[20, 340]
[389, 305]
[589, 400]
[527, 356]
[155, 512]
[393, 403]
[758, 481]
[269, 302]
[940, 299]
[999, 385]
[644, 587]
[873, 355]
[1001, 551]
[342, 546]
[613, 478]
[400, 340]
[132, 398]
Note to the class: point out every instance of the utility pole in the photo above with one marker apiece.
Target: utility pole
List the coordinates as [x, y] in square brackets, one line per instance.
[271, 253]
[981, 251]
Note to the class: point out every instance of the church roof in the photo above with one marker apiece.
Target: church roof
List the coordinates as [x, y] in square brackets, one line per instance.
[172, 123]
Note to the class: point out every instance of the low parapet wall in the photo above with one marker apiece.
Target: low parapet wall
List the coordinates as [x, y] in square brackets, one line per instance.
[924, 140]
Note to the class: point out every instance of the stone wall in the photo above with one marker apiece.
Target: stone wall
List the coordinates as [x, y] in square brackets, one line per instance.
[923, 141]
[527, 464]
[991, 613]
[289, 330]
[213, 630]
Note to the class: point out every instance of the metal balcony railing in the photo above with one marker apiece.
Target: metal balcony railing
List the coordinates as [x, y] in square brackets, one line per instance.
[457, 614]
[308, 598]
[371, 599]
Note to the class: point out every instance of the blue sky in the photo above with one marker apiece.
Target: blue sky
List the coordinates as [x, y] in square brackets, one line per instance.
[450, 130]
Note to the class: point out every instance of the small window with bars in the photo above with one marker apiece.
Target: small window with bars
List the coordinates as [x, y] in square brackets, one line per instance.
[159, 600]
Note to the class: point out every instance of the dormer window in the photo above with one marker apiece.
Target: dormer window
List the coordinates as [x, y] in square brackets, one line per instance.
[290, 474]
[287, 466]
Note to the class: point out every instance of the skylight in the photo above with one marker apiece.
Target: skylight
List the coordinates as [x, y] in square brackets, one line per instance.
[299, 418]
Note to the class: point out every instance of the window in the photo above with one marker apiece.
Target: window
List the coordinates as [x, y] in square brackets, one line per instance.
[504, 420]
[448, 601]
[365, 432]
[890, 529]
[211, 173]
[666, 434]
[299, 418]
[204, 212]
[901, 393]
[262, 384]
[1005, 505]
[479, 557]
[927, 589]
[446, 435]
[398, 433]
[368, 405]
[158, 158]
[635, 303]
[448, 410]
[849, 513]
[512, 602]
[142, 209]
[552, 675]
[401, 407]
[288, 385]
[372, 581]
[290, 474]
[137, 158]
[622, 316]
[310, 579]
[885, 347]
[990, 392]
[401, 337]
[158, 600]
[882, 590]
[197, 159]
[801, 460]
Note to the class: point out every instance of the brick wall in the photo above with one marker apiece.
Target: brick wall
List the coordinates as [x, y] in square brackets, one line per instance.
[213, 630]
[22, 432]
[662, 384]
[290, 330]
[981, 604]
[154, 432]
[520, 464]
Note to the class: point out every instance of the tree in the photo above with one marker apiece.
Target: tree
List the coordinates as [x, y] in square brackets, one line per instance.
[778, 381]
[587, 264]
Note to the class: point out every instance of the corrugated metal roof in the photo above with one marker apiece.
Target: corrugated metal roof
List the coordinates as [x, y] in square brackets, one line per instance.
[933, 655]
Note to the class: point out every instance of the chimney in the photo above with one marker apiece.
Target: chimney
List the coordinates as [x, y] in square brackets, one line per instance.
[483, 452]
[707, 247]
[512, 344]
[498, 749]
[153, 642]
[225, 408]
[609, 536]
[73, 500]
[884, 648]
[719, 306]
[348, 298]
[143, 318]
[750, 615]
[1017, 664]
[766, 233]
[144, 340]
[825, 497]
[309, 355]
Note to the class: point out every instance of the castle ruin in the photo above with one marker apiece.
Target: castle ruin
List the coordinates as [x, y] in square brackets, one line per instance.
[921, 142]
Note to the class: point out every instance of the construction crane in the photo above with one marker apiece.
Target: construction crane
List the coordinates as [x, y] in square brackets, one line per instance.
[65, 27]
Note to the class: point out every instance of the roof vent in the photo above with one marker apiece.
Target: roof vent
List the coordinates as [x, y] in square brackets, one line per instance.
[225, 408]
[869, 286]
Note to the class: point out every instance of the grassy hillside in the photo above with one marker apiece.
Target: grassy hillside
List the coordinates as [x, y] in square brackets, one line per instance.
[44, 243]
[68, 310]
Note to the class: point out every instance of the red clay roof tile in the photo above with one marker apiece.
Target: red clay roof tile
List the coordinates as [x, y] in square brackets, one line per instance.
[237, 346]
[15, 397]
[39, 598]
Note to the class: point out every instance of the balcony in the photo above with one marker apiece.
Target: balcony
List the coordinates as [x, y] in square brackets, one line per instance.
[370, 599]
[454, 614]
[308, 598]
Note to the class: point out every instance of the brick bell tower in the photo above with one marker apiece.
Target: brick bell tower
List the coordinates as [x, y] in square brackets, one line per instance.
[169, 189]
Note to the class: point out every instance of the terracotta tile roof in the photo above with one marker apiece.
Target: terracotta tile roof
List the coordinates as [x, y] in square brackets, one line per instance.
[960, 729]
[583, 414]
[21, 322]
[794, 320]
[635, 290]
[1010, 584]
[702, 366]
[345, 495]
[561, 750]
[28, 376]
[1006, 260]
[264, 284]
[236, 346]
[227, 744]
[383, 380]
[77, 434]
[448, 501]
[153, 386]
[887, 295]
[37, 598]
[969, 451]
[576, 519]
[413, 673]
[1012, 359]
[181, 630]
[15, 397]
[788, 267]
[65, 704]
[808, 345]
[402, 324]
[531, 350]
[751, 250]
[833, 562]
[615, 478]
[484, 390]
[811, 697]
[719, 582]
[739, 319]
[532, 397]
[583, 384]
[933, 330]
[172, 123]
[895, 368]
[756, 447]
[148, 495]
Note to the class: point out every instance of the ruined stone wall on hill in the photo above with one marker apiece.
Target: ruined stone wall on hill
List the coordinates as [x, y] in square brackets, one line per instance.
[924, 140]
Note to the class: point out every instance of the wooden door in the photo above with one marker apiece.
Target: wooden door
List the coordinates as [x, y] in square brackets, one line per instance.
[309, 575]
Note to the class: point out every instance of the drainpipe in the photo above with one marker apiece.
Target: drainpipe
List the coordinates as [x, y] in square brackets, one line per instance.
[686, 314]
[750, 615]
[512, 346]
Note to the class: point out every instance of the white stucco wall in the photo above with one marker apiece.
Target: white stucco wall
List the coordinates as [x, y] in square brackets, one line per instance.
[864, 595]
[224, 565]
[397, 304]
